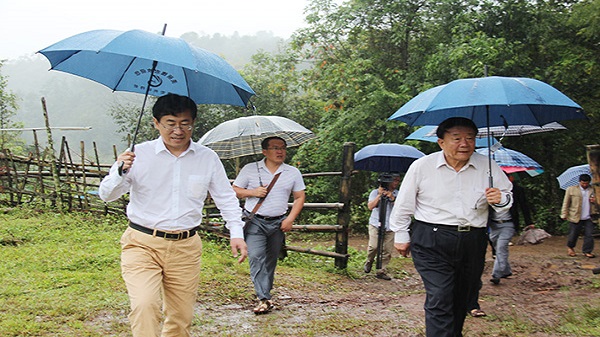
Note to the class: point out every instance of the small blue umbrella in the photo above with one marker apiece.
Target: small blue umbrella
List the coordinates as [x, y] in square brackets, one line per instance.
[386, 157]
[511, 161]
[427, 133]
[570, 177]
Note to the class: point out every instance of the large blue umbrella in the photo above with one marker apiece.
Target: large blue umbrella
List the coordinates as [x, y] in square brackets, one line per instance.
[490, 101]
[570, 177]
[427, 133]
[150, 64]
[123, 61]
[386, 157]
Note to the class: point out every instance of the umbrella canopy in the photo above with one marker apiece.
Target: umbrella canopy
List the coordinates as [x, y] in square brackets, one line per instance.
[490, 101]
[427, 133]
[386, 157]
[123, 61]
[511, 130]
[520, 130]
[511, 161]
[242, 136]
[570, 177]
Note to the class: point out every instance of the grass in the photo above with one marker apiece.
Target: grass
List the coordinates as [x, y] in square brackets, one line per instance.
[60, 276]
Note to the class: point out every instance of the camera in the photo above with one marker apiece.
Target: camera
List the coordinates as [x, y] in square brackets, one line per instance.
[385, 179]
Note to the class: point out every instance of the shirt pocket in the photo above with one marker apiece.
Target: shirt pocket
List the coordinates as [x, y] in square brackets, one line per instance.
[197, 187]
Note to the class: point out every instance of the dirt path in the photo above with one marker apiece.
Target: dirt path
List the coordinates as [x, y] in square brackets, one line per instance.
[545, 285]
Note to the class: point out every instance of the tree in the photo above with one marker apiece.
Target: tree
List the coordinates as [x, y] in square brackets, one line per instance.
[8, 109]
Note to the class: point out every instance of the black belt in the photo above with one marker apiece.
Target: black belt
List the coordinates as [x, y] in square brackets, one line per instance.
[269, 218]
[180, 235]
[501, 221]
[457, 228]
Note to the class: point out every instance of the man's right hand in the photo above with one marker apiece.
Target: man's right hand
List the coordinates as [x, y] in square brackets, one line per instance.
[403, 248]
[127, 159]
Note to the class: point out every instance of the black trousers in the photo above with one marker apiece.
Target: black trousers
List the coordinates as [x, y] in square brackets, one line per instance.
[450, 264]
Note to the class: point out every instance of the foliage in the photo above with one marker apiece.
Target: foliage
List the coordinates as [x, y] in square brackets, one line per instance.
[8, 110]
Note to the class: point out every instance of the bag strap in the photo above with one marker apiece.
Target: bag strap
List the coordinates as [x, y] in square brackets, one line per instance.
[260, 201]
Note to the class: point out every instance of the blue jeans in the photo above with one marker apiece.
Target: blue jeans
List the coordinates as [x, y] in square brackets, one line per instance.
[500, 235]
[264, 240]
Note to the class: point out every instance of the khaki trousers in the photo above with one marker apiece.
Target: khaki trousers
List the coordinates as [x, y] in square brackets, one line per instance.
[388, 247]
[153, 267]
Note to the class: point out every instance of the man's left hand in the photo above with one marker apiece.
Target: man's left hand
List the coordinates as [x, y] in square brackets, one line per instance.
[238, 247]
[286, 225]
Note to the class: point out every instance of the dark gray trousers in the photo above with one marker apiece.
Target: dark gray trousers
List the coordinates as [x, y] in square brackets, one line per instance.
[450, 264]
[587, 226]
[264, 240]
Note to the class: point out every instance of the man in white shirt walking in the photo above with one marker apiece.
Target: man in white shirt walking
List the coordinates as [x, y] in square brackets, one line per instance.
[168, 180]
[448, 194]
[267, 224]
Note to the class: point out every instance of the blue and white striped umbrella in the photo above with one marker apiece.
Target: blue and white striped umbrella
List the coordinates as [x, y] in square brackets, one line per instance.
[427, 133]
[570, 177]
[511, 161]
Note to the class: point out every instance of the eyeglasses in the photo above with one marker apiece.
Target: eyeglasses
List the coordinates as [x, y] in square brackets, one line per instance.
[276, 148]
[172, 127]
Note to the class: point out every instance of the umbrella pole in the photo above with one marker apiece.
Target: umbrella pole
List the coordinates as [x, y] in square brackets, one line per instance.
[137, 127]
[489, 141]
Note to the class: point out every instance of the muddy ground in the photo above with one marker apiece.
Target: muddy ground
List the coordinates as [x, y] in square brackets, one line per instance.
[545, 288]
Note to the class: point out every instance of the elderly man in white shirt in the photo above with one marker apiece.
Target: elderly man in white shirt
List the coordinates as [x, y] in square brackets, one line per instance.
[448, 194]
[168, 180]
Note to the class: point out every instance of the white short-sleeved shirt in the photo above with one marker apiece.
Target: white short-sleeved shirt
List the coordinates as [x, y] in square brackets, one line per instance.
[374, 218]
[276, 202]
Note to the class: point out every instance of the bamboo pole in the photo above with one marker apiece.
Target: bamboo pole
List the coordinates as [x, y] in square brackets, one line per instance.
[54, 167]
[86, 203]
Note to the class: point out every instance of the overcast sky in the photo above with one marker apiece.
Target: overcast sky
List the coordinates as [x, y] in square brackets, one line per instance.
[27, 26]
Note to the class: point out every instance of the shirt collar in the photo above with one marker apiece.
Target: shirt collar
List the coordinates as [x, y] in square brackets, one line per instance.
[160, 146]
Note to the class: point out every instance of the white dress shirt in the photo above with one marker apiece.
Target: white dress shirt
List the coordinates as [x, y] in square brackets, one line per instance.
[434, 192]
[168, 192]
[276, 202]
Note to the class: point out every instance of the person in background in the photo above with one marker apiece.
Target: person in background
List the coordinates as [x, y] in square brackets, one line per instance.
[448, 193]
[265, 230]
[167, 180]
[578, 206]
[385, 194]
[521, 204]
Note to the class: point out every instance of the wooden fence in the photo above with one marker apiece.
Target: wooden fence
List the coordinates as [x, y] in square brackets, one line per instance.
[70, 182]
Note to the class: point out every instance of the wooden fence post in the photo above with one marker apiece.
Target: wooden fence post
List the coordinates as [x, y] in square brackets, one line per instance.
[341, 238]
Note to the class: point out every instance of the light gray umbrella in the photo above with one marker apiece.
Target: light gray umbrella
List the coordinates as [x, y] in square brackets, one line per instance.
[242, 136]
[511, 130]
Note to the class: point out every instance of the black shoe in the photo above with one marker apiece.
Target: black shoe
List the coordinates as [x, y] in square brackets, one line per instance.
[368, 266]
[495, 280]
[383, 276]
[596, 270]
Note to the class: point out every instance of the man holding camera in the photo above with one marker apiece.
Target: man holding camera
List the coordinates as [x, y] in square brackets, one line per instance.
[384, 195]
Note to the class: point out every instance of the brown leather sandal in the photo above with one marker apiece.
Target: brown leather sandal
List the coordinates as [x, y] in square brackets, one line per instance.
[477, 313]
[263, 307]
